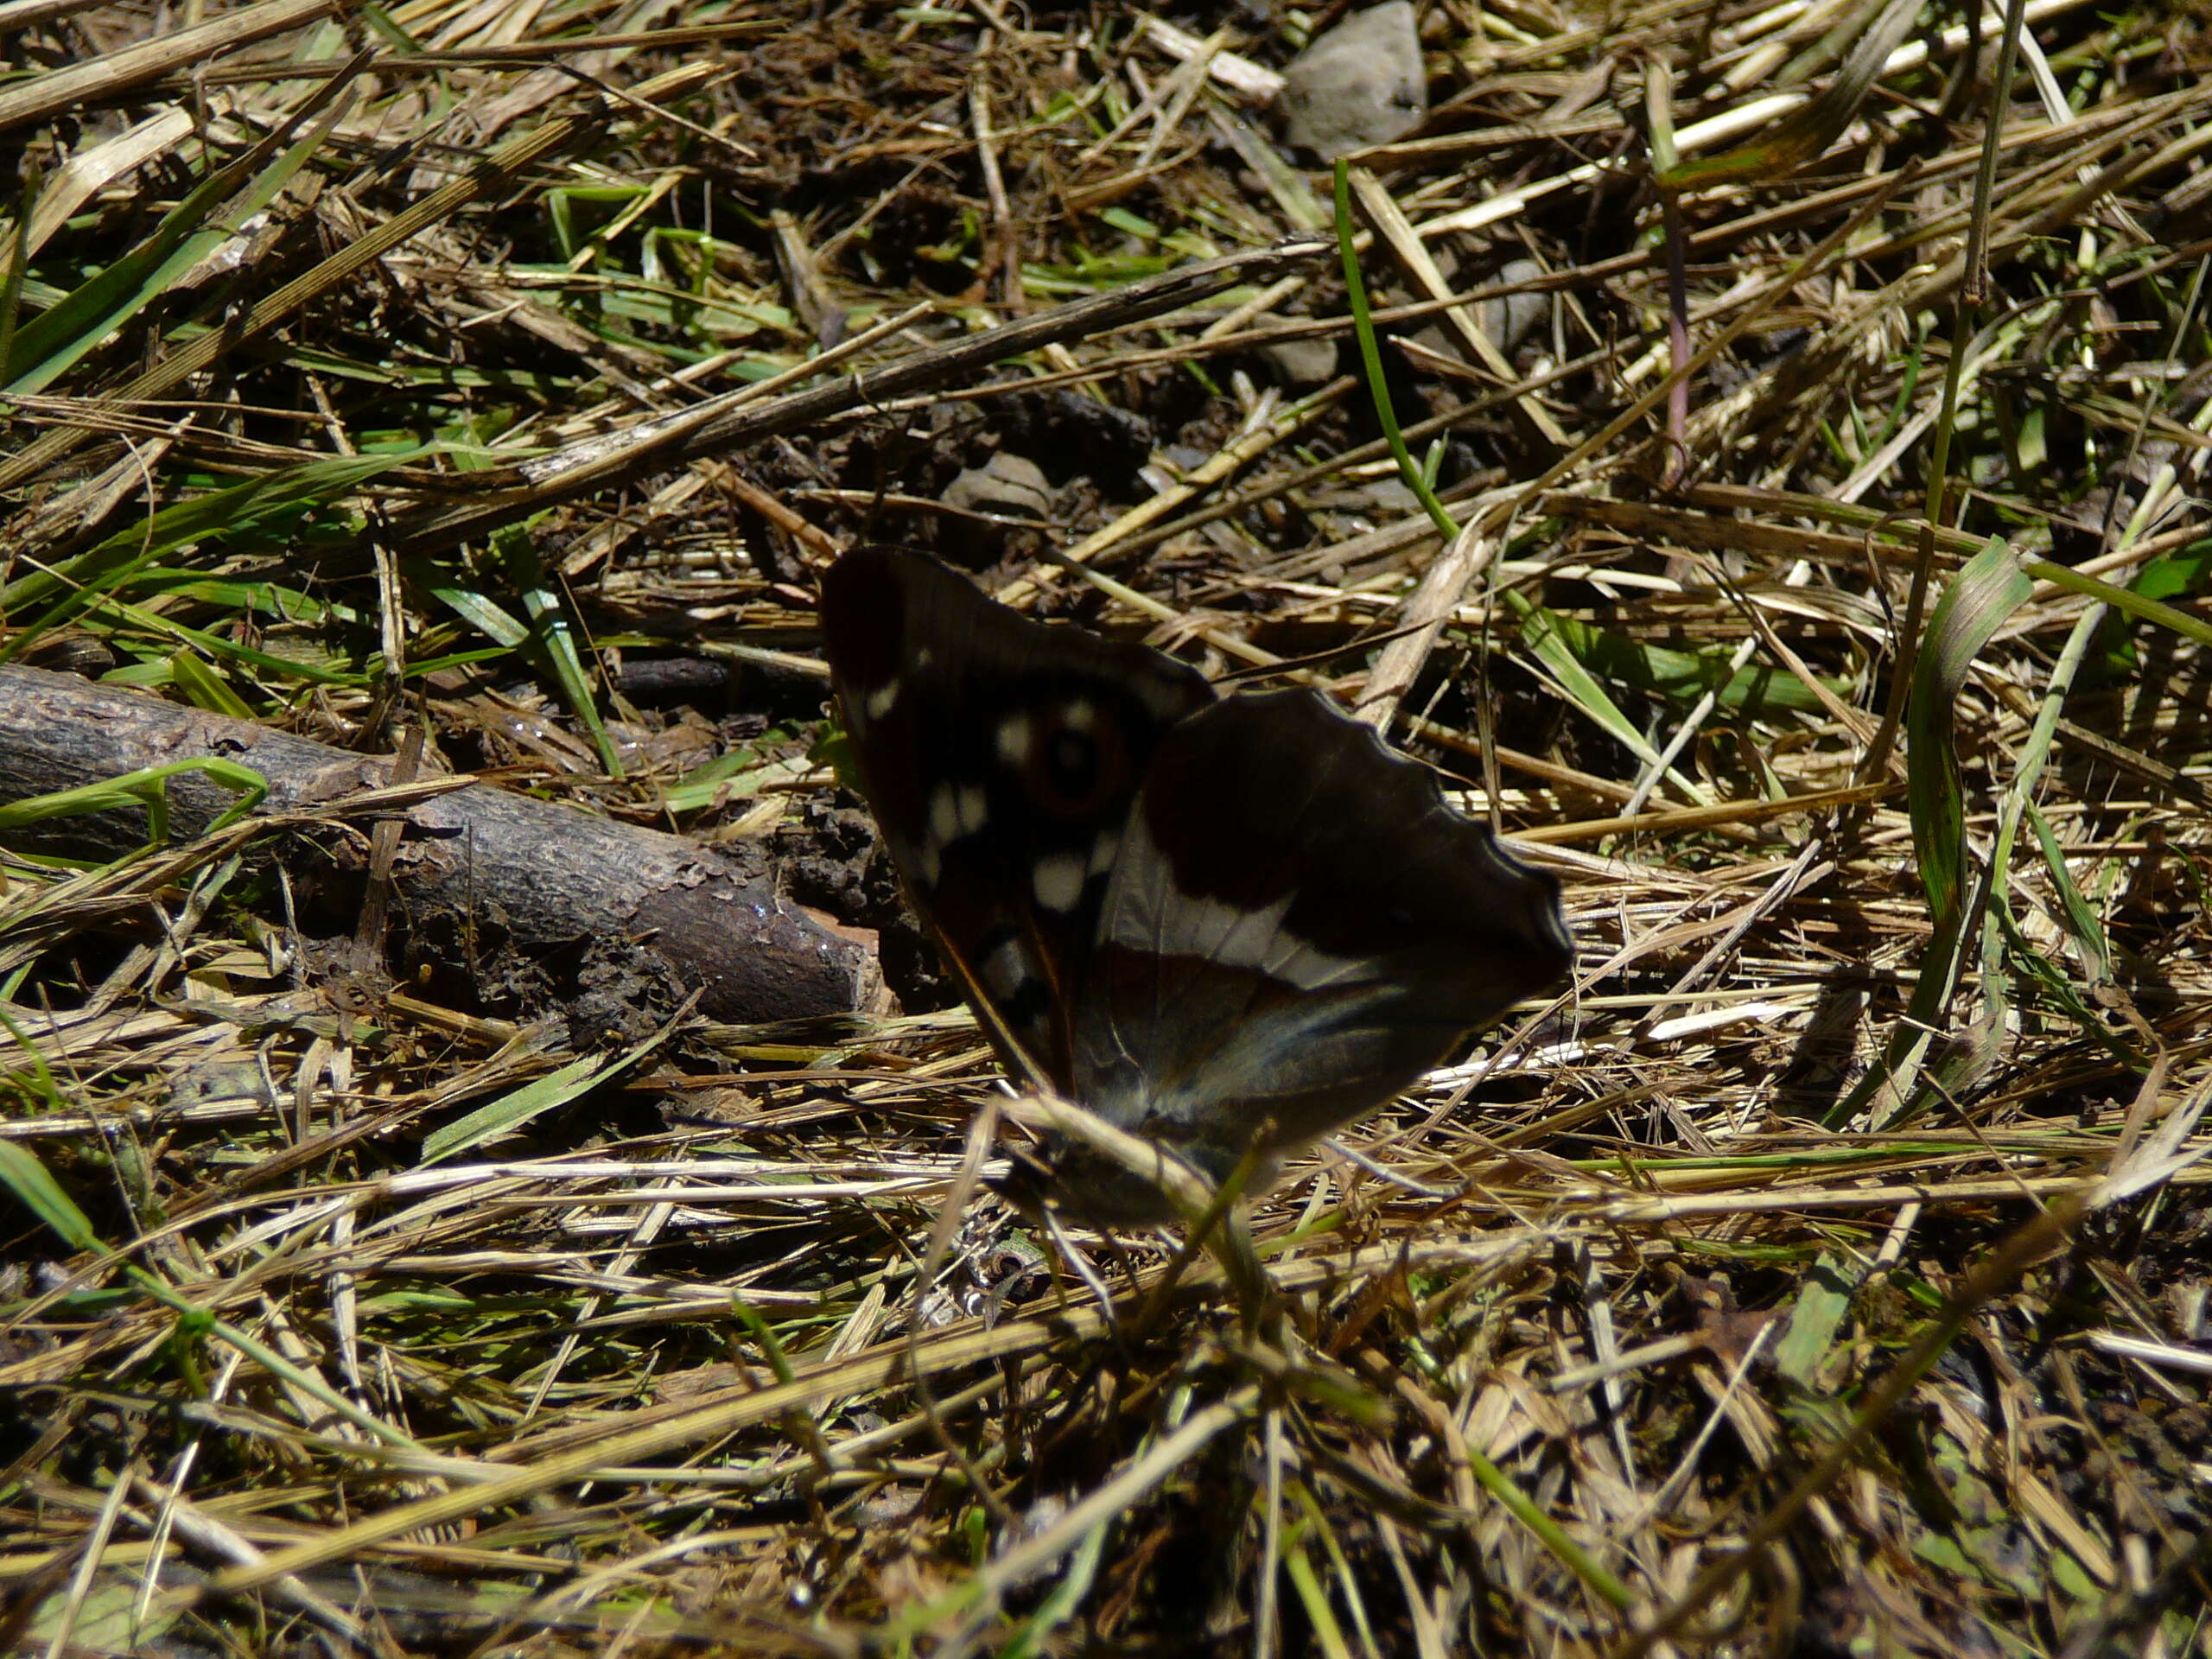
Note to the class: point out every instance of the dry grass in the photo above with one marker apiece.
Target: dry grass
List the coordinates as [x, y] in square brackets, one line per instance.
[1828, 1273]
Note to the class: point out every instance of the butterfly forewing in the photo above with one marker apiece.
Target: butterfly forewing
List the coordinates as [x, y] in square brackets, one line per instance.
[1297, 927]
[1000, 756]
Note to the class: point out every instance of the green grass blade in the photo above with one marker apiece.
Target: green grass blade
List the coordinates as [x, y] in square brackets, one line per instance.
[2128, 601]
[36, 1190]
[511, 1112]
[50, 343]
[1539, 632]
[553, 636]
[145, 787]
[237, 512]
[1987, 590]
[2084, 930]
[1806, 132]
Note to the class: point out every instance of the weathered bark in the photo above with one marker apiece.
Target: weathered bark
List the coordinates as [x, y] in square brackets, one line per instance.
[475, 864]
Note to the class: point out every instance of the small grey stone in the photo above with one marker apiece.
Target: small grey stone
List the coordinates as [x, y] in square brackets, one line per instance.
[220, 1079]
[1390, 498]
[1512, 318]
[1299, 362]
[1005, 484]
[1360, 84]
[1431, 338]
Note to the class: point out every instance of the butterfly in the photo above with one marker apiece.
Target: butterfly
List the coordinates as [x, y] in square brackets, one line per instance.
[1226, 924]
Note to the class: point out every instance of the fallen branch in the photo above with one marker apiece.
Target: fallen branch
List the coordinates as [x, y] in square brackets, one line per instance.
[485, 866]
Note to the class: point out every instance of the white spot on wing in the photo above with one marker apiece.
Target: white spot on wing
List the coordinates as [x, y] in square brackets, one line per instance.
[1080, 716]
[1163, 697]
[1058, 881]
[944, 817]
[956, 811]
[1014, 740]
[1007, 969]
[1102, 852]
[878, 702]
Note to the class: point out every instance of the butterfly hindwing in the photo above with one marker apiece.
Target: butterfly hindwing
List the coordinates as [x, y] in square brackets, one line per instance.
[1297, 928]
[1000, 756]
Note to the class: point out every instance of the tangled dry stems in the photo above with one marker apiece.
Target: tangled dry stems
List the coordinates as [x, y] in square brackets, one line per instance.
[1734, 1290]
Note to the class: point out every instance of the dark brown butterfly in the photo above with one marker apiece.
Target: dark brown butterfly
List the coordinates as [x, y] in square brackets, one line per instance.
[1221, 924]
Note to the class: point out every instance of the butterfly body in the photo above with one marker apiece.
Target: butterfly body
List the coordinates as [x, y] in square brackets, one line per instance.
[1221, 924]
